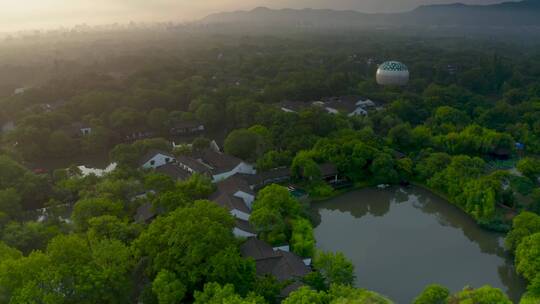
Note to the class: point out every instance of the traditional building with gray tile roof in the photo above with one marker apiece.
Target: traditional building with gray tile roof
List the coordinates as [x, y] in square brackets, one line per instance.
[174, 171]
[217, 165]
[236, 206]
[283, 265]
[154, 159]
[243, 229]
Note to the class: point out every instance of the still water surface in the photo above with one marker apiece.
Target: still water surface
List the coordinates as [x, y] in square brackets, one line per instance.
[402, 239]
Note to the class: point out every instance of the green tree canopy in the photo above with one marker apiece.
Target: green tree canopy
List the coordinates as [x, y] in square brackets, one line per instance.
[433, 294]
[530, 167]
[112, 228]
[184, 242]
[10, 203]
[304, 166]
[335, 268]
[7, 252]
[71, 271]
[245, 144]
[228, 266]
[523, 225]
[170, 200]
[306, 295]
[302, 239]
[272, 212]
[482, 295]
[214, 293]
[86, 209]
[337, 294]
[29, 236]
[528, 256]
[158, 182]
[197, 186]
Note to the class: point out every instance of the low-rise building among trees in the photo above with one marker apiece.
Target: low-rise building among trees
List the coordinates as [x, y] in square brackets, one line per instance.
[282, 264]
[155, 159]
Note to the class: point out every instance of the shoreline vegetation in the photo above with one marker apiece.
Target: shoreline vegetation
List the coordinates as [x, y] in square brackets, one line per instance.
[231, 103]
[495, 227]
[366, 214]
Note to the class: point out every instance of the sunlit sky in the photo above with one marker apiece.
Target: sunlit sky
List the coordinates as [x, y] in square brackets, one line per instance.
[29, 14]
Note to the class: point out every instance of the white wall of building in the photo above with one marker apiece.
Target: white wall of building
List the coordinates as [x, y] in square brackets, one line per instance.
[286, 248]
[185, 167]
[287, 110]
[358, 112]
[86, 131]
[332, 110]
[239, 214]
[157, 161]
[246, 197]
[241, 168]
[241, 233]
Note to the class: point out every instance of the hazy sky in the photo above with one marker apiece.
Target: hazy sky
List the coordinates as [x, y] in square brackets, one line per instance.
[24, 14]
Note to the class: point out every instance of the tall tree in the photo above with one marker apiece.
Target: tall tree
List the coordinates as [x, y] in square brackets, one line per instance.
[184, 242]
[334, 268]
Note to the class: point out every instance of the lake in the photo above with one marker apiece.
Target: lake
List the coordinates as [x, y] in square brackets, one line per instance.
[402, 239]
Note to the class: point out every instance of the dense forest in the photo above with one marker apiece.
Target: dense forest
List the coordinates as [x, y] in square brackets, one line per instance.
[467, 126]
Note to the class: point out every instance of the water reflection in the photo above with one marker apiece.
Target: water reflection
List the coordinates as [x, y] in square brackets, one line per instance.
[363, 205]
[449, 215]
[402, 239]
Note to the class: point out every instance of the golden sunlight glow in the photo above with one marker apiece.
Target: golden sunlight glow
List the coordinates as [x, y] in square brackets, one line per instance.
[26, 14]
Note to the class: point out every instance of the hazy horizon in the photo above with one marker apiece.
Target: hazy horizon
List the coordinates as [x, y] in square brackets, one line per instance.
[39, 14]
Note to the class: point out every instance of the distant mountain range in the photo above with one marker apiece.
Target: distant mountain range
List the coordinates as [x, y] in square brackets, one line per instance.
[507, 14]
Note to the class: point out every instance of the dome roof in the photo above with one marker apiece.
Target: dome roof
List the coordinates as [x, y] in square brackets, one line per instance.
[392, 73]
[393, 66]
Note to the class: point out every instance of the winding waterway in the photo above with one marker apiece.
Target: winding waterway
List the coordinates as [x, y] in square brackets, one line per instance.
[402, 239]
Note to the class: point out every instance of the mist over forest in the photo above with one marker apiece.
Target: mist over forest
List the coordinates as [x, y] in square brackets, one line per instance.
[266, 152]
[47, 14]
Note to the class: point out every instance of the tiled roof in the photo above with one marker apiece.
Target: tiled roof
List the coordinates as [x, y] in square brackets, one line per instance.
[345, 104]
[266, 177]
[257, 250]
[281, 264]
[174, 171]
[234, 184]
[219, 162]
[289, 266]
[231, 203]
[194, 164]
[245, 226]
[150, 154]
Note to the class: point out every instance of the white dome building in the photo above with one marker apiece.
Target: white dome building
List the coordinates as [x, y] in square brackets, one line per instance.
[392, 73]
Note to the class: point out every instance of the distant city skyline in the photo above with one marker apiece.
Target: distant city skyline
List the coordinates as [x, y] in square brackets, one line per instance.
[34, 14]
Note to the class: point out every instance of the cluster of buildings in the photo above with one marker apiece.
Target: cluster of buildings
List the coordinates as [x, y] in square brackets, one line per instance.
[191, 127]
[209, 162]
[235, 195]
[236, 185]
[347, 105]
[180, 128]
